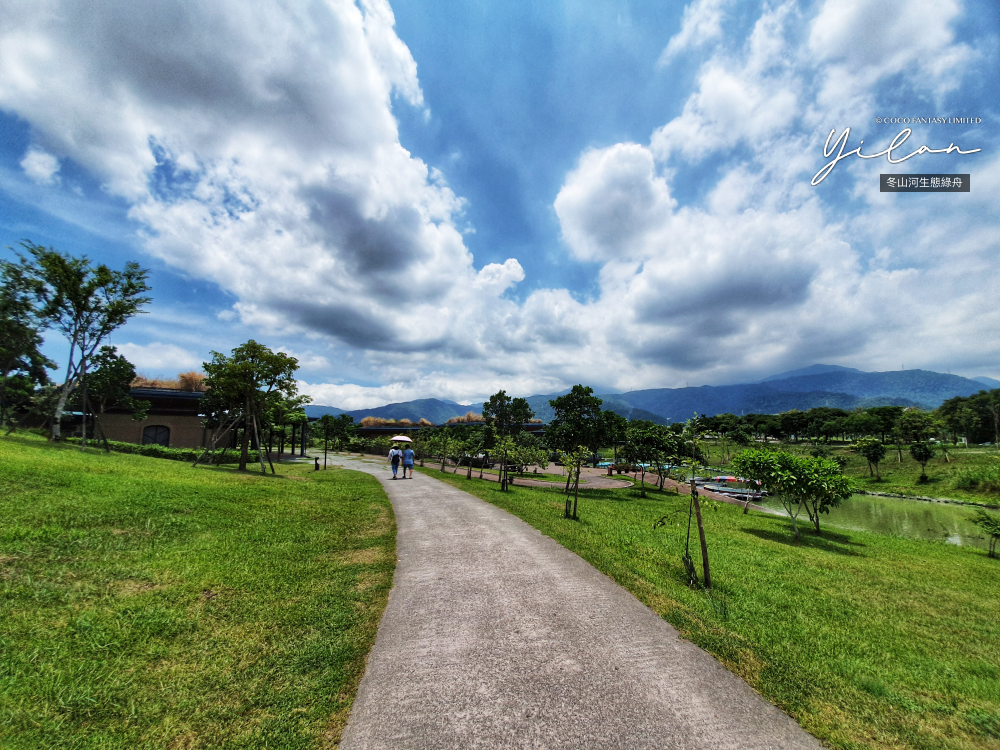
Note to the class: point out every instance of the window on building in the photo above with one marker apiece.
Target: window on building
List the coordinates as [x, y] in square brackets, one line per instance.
[156, 434]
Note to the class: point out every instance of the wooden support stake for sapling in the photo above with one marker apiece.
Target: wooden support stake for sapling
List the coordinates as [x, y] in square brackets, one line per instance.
[701, 535]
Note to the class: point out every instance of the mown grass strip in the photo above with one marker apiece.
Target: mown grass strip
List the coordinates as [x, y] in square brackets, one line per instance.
[869, 641]
[144, 603]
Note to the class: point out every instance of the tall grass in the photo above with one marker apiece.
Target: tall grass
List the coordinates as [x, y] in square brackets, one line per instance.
[985, 478]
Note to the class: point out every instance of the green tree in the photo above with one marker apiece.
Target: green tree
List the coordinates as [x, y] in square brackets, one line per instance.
[573, 461]
[886, 417]
[642, 441]
[85, 303]
[326, 424]
[505, 417]
[873, 452]
[782, 475]
[613, 428]
[342, 430]
[245, 381]
[110, 384]
[577, 421]
[647, 443]
[20, 339]
[922, 453]
[824, 486]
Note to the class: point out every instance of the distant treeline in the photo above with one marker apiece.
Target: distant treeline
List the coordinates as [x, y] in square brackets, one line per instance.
[975, 418]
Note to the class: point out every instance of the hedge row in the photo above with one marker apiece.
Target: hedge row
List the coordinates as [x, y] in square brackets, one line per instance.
[173, 454]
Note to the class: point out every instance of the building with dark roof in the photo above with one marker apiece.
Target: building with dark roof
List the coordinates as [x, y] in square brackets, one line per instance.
[174, 420]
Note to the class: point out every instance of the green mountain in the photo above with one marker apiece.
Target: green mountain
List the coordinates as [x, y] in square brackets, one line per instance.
[818, 385]
[841, 388]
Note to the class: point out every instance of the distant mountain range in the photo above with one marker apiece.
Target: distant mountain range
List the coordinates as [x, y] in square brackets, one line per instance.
[806, 388]
[432, 409]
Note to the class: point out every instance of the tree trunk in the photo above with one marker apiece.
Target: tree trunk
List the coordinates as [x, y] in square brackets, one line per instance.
[569, 504]
[576, 493]
[83, 403]
[813, 516]
[56, 433]
[245, 448]
[260, 447]
[701, 536]
[569, 477]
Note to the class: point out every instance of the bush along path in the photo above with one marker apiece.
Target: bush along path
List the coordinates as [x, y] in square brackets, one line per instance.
[497, 636]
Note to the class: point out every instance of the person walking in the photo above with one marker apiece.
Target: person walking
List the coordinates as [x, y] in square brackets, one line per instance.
[408, 461]
[395, 456]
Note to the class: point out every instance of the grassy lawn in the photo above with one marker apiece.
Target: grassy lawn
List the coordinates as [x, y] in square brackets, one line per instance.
[144, 603]
[944, 479]
[869, 641]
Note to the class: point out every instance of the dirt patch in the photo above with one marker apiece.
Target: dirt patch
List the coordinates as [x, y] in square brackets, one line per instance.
[382, 525]
[335, 727]
[130, 587]
[369, 556]
[8, 559]
[184, 742]
[368, 580]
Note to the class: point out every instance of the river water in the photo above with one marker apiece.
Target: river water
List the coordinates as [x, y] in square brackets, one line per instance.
[915, 519]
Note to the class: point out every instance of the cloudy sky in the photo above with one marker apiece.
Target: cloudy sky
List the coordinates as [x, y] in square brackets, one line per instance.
[441, 199]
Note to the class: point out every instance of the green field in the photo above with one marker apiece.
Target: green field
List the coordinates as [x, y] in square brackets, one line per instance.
[146, 604]
[869, 641]
[972, 474]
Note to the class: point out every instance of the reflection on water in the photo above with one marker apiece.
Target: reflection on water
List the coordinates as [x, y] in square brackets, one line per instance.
[915, 519]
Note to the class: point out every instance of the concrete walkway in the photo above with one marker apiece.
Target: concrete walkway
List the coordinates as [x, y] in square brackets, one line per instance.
[495, 636]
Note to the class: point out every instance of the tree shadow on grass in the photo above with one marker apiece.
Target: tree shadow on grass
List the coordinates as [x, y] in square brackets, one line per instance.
[828, 542]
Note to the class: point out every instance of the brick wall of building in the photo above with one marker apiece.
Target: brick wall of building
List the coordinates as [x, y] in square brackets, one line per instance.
[185, 431]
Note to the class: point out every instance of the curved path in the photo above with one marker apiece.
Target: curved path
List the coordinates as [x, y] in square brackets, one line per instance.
[495, 636]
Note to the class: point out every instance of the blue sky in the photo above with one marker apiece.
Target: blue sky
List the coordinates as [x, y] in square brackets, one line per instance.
[442, 199]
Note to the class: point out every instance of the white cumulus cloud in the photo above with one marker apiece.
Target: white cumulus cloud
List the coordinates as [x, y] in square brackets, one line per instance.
[41, 167]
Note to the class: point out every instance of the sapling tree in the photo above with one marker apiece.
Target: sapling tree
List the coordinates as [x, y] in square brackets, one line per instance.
[644, 443]
[779, 474]
[577, 420]
[922, 453]
[613, 428]
[110, 385]
[873, 451]
[245, 380]
[573, 461]
[505, 417]
[326, 424]
[823, 486]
